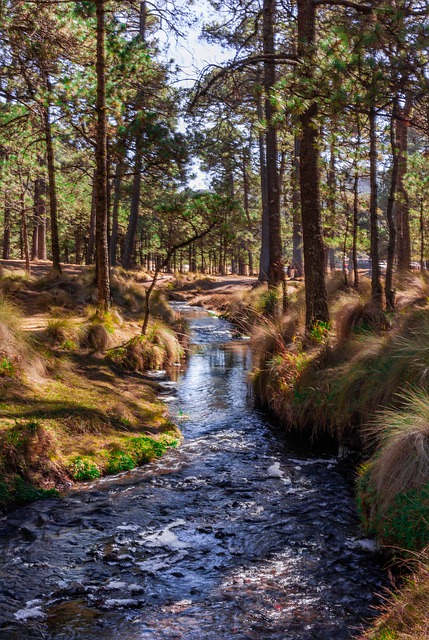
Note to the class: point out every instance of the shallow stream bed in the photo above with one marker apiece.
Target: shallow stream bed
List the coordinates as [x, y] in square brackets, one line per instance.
[234, 535]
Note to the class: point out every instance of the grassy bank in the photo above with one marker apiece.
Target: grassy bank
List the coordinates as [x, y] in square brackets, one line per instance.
[363, 382]
[74, 401]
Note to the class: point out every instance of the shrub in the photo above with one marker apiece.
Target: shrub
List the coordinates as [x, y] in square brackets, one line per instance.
[119, 461]
[83, 468]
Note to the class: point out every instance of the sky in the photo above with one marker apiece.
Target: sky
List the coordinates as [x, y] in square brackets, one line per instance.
[192, 54]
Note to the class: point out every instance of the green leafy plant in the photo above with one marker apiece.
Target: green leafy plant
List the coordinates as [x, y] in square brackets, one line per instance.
[83, 468]
[120, 461]
[7, 368]
[320, 331]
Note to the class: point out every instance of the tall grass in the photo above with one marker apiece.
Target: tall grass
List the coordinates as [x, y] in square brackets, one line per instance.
[17, 354]
[393, 489]
[158, 349]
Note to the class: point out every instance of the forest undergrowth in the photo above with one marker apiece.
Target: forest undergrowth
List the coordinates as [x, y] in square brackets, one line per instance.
[363, 382]
[75, 403]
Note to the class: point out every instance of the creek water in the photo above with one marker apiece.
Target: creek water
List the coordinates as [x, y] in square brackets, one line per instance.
[236, 534]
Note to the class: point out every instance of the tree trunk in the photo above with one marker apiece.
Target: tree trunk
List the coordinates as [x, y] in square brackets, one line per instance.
[52, 189]
[332, 186]
[25, 242]
[403, 205]
[6, 227]
[89, 256]
[275, 271]
[296, 214]
[315, 289]
[389, 292]
[35, 234]
[422, 236]
[102, 252]
[78, 243]
[355, 230]
[115, 213]
[130, 239]
[376, 288]
[264, 261]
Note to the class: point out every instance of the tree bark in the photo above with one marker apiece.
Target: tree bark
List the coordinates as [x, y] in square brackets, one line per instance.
[315, 289]
[6, 227]
[38, 247]
[389, 292]
[376, 288]
[296, 214]
[24, 230]
[355, 230]
[264, 260]
[102, 252]
[402, 204]
[275, 270]
[52, 189]
[130, 238]
[117, 182]
[89, 254]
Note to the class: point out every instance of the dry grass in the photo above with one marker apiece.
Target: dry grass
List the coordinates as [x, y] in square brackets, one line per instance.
[60, 331]
[18, 357]
[405, 616]
[158, 349]
[402, 460]
[353, 315]
[413, 290]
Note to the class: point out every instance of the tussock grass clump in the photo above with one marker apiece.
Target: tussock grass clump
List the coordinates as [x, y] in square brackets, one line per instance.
[158, 349]
[63, 332]
[342, 384]
[97, 333]
[247, 309]
[394, 486]
[413, 290]
[354, 315]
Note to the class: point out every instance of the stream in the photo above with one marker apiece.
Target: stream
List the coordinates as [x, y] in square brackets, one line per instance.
[236, 534]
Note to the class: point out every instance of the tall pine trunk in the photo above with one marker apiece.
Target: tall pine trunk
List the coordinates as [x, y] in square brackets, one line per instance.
[275, 270]
[130, 238]
[402, 204]
[52, 190]
[102, 252]
[6, 227]
[117, 183]
[296, 214]
[315, 288]
[89, 254]
[38, 247]
[376, 288]
[389, 292]
[264, 260]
